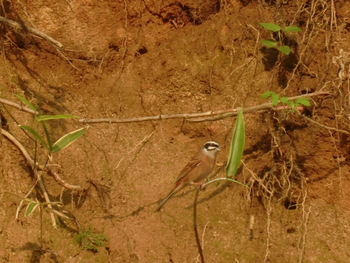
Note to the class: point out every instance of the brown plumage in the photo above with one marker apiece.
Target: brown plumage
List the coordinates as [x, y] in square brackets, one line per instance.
[198, 169]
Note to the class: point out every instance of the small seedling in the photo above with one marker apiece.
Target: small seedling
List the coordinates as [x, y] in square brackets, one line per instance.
[89, 240]
[271, 43]
[292, 104]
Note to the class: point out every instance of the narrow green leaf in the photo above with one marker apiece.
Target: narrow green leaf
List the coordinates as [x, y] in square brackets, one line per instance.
[67, 139]
[270, 26]
[34, 134]
[54, 117]
[26, 102]
[292, 29]
[284, 49]
[47, 135]
[303, 101]
[30, 208]
[267, 94]
[269, 42]
[237, 146]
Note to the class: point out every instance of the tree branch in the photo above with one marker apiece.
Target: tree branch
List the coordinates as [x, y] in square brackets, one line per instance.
[200, 116]
[190, 117]
[30, 161]
[34, 31]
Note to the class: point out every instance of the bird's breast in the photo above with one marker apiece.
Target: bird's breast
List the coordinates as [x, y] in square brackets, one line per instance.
[202, 171]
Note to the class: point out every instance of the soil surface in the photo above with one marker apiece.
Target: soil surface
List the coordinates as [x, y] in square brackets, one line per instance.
[124, 60]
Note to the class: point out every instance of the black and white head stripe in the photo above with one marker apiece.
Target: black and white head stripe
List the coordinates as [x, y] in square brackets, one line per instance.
[211, 146]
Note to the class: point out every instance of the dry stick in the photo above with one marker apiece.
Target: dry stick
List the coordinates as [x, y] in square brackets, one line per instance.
[31, 162]
[29, 159]
[200, 250]
[19, 207]
[34, 31]
[256, 178]
[190, 117]
[18, 106]
[48, 201]
[303, 226]
[205, 227]
[217, 115]
[324, 126]
[200, 116]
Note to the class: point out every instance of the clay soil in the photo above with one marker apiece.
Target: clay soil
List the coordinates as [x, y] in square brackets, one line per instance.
[130, 59]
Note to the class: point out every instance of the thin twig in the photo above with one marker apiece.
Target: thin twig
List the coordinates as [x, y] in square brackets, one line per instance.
[30, 161]
[18, 106]
[197, 117]
[257, 179]
[223, 179]
[324, 126]
[19, 207]
[47, 199]
[190, 117]
[217, 115]
[34, 31]
[200, 249]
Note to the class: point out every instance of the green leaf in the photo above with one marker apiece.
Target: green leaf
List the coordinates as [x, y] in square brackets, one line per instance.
[275, 99]
[67, 139]
[30, 208]
[34, 134]
[237, 146]
[303, 101]
[284, 100]
[47, 135]
[269, 42]
[26, 102]
[267, 94]
[54, 117]
[292, 29]
[271, 27]
[284, 49]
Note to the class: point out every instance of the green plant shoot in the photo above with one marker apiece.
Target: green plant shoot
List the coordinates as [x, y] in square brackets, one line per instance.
[89, 240]
[31, 207]
[61, 143]
[276, 99]
[270, 26]
[54, 117]
[237, 146]
[278, 29]
[67, 139]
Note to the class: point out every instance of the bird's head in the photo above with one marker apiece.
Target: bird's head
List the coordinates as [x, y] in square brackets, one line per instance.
[211, 148]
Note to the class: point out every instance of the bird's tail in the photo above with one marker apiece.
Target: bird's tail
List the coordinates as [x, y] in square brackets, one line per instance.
[166, 199]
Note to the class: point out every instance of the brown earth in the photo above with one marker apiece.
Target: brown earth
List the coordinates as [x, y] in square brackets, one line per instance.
[130, 59]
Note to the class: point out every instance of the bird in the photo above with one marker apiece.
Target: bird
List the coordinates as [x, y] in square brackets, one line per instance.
[198, 169]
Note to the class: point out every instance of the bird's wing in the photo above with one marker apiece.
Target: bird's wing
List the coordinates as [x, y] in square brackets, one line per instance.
[188, 168]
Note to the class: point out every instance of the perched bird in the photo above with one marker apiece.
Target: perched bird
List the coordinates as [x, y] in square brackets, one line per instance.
[198, 169]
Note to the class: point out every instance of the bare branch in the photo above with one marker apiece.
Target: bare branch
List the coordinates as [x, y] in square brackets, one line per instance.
[190, 117]
[18, 106]
[200, 116]
[30, 161]
[34, 31]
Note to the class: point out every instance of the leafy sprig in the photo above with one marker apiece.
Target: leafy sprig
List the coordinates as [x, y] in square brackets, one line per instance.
[271, 43]
[293, 104]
